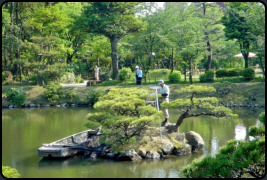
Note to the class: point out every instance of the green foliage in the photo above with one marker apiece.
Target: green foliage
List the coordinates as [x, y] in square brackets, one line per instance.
[253, 93]
[111, 73]
[53, 72]
[3, 76]
[122, 114]
[249, 73]
[78, 79]
[209, 75]
[125, 74]
[71, 94]
[16, 96]
[54, 91]
[67, 77]
[9, 172]
[203, 77]
[222, 89]
[175, 77]
[93, 96]
[34, 78]
[221, 72]
[236, 159]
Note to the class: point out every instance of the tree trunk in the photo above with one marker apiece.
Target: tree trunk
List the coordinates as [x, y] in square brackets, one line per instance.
[114, 41]
[172, 61]
[245, 55]
[209, 56]
[260, 57]
[180, 121]
[190, 72]
[69, 58]
[184, 72]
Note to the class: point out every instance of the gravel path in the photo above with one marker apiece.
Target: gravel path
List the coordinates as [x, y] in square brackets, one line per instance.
[76, 85]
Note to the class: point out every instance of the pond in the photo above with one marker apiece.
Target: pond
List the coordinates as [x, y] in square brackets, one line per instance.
[25, 130]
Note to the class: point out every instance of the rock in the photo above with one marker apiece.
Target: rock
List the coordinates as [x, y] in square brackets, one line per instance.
[142, 152]
[93, 155]
[26, 105]
[195, 140]
[10, 106]
[129, 155]
[167, 148]
[15, 106]
[152, 155]
[57, 105]
[112, 155]
[45, 105]
[38, 105]
[183, 151]
[64, 104]
[180, 137]
[73, 104]
[161, 154]
[32, 105]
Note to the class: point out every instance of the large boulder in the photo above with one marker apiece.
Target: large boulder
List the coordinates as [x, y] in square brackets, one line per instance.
[152, 155]
[142, 152]
[182, 151]
[167, 148]
[129, 156]
[111, 155]
[170, 127]
[195, 140]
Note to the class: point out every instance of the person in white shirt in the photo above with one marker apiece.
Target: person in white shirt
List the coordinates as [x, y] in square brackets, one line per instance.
[136, 77]
[96, 69]
[139, 76]
[164, 90]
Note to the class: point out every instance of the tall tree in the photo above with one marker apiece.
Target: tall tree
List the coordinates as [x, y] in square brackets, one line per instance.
[212, 28]
[235, 27]
[111, 19]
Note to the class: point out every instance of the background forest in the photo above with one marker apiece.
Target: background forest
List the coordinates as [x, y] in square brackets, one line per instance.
[45, 41]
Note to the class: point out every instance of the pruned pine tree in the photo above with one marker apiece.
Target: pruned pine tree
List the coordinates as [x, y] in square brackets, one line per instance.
[206, 103]
[123, 114]
[236, 159]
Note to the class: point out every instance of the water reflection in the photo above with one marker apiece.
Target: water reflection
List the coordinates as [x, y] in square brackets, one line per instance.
[24, 130]
[240, 132]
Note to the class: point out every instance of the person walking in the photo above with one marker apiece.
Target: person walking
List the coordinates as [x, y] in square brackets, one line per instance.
[96, 69]
[136, 77]
[139, 76]
[164, 90]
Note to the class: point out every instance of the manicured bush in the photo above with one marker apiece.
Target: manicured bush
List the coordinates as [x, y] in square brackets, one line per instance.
[234, 72]
[67, 77]
[202, 77]
[16, 96]
[209, 75]
[125, 74]
[54, 91]
[249, 73]
[221, 72]
[175, 77]
[9, 172]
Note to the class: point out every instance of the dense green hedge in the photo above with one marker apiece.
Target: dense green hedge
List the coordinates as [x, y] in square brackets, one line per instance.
[229, 72]
[175, 77]
[249, 73]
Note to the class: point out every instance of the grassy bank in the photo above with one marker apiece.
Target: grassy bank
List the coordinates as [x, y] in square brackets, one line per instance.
[34, 93]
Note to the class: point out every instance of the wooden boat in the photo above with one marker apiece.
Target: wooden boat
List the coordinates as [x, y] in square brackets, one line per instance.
[71, 145]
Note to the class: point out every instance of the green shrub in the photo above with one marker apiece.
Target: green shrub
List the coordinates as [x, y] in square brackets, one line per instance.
[9, 81]
[34, 78]
[54, 91]
[78, 79]
[202, 77]
[16, 96]
[125, 74]
[221, 72]
[9, 172]
[71, 94]
[82, 81]
[175, 77]
[93, 96]
[249, 73]
[209, 75]
[234, 71]
[3, 76]
[67, 77]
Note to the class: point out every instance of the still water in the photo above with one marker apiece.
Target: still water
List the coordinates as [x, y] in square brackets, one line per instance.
[25, 130]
